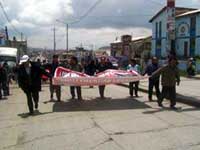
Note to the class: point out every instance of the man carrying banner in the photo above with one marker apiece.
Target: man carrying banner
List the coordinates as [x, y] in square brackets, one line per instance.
[75, 67]
[170, 76]
[135, 67]
[102, 66]
[54, 88]
[151, 68]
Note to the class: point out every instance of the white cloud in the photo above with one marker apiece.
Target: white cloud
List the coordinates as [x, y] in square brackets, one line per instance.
[21, 24]
[36, 19]
[41, 12]
[87, 37]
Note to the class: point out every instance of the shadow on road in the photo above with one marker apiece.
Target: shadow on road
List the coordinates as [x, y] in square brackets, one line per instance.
[192, 101]
[99, 105]
[179, 110]
[36, 113]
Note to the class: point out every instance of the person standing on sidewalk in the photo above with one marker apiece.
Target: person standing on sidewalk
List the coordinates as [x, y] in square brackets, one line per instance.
[75, 66]
[29, 80]
[3, 78]
[135, 67]
[6, 82]
[170, 76]
[153, 82]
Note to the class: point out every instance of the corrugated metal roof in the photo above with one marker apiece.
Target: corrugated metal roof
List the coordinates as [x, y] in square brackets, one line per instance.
[189, 13]
[179, 11]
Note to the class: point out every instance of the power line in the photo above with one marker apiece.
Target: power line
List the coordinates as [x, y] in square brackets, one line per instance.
[8, 19]
[155, 2]
[87, 12]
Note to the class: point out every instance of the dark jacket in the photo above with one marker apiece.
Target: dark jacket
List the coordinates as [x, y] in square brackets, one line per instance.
[103, 67]
[3, 75]
[90, 69]
[170, 75]
[76, 67]
[151, 69]
[31, 82]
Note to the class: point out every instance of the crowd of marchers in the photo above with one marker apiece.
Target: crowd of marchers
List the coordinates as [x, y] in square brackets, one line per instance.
[30, 75]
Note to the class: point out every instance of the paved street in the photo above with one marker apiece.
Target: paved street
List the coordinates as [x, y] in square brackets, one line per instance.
[118, 123]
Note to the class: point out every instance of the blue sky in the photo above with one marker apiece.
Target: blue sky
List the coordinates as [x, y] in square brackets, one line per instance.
[109, 19]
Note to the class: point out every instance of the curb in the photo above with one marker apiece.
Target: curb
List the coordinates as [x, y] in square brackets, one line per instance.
[182, 99]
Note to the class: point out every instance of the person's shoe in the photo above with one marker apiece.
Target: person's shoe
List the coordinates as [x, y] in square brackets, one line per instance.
[102, 97]
[58, 100]
[80, 98]
[31, 113]
[131, 96]
[51, 98]
[150, 99]
[173, 108]
[36, 106]
[160, 104]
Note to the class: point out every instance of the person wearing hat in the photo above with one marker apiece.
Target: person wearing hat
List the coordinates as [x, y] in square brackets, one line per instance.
[29, 80]
[170, 77]
[151, 68]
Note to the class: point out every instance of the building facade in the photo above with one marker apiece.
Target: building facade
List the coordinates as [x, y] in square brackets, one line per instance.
[122, 46]
[187, 41]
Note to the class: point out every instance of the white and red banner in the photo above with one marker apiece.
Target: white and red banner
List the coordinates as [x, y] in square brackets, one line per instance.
[65, 76]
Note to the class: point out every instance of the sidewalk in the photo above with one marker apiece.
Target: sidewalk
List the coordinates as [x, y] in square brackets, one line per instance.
[187, 92]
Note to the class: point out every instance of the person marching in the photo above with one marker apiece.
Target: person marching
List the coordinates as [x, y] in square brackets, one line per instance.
[29, 80]
[54, 88]
[135, 67]
[90, 69]
[75, 66]
[170, 76]
[101, 67]
[153, 82]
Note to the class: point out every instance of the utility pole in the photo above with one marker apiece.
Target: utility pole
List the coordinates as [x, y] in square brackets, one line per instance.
[67, 37]
[6, 31]
[21, 36]
[170, 43]
[54, 39]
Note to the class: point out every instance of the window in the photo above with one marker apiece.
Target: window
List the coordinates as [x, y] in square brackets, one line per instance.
[156, 30]
[160, 29]
[192, 46]
[193, 26]
[193, 22]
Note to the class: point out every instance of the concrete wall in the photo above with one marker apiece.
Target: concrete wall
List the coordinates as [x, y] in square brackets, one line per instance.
[182, 65]
[198, 35]
[181, 37]
[162, 18]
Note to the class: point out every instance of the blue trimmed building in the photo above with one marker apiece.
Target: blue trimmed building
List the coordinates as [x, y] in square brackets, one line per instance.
[187, 33]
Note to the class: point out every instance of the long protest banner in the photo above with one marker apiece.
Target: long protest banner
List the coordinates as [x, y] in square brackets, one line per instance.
[65, 76]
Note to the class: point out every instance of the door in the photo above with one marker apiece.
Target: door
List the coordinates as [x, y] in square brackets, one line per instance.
[185, 49]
